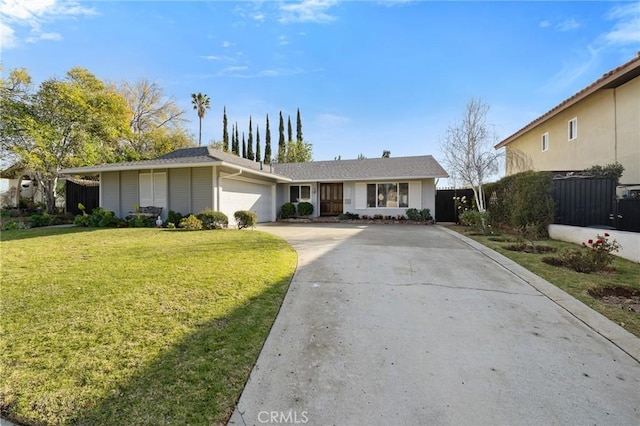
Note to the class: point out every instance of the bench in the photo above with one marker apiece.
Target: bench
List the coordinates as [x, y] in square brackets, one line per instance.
[149, 211]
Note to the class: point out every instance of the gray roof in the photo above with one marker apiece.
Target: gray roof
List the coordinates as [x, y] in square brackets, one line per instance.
[424, 166]
[418, 167]
[200, 156]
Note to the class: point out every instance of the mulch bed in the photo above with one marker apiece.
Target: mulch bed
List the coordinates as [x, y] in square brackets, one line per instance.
[624, 297]
[334, 219]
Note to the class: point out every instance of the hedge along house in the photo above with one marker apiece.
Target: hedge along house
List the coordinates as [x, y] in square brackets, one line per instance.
[386, 186]
[193, 179]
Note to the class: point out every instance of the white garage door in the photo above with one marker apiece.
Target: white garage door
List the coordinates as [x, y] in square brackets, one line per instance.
[240, 195]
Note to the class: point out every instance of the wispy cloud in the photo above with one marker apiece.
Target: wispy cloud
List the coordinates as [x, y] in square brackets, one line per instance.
[626, 29]
[332, 120]
[393, 3]
[283, 40]
[313, 11]
[35, 14]
[568, 25]
[544, 24]
[226, 44]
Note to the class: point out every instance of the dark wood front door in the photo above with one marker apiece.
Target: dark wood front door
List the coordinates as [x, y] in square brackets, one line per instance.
[330, 199]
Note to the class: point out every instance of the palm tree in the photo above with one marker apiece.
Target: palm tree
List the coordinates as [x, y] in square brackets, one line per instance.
[201, 104]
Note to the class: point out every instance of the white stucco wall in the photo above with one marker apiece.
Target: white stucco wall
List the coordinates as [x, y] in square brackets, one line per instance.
[629, 241]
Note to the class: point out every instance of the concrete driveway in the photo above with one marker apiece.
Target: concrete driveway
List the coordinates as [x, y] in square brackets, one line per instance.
[412, 325]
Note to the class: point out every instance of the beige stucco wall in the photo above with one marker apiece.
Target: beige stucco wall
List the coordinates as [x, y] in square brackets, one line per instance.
[608, 131]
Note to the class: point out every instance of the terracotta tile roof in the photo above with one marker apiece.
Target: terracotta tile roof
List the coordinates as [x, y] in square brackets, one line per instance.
[611, 79]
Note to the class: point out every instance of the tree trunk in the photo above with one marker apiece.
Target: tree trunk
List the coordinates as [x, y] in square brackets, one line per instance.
[200, 133]
[49, 192]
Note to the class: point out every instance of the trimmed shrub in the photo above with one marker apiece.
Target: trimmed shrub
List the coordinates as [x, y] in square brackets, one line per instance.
[174, 217]
[287, 210]
[212, 219]
[38, 220]
[523, 201]
[245, 218]
[138, 221]
[305, 208]
[191, 223]
[419, 215]
[349, 216]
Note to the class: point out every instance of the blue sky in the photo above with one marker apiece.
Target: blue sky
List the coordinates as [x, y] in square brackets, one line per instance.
[366, 75]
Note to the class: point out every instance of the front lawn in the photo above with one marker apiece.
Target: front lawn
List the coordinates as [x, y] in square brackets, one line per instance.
[134, 326]
[624, 274]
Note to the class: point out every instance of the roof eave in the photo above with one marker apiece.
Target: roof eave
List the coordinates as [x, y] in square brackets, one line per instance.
[362, 179]
[630, 67]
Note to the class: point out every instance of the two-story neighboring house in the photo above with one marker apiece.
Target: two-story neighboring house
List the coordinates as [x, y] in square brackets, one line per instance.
[599, 125]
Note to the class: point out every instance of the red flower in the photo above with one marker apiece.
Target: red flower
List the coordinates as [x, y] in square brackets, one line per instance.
[606, 235]
[590, 241]
[599, 241]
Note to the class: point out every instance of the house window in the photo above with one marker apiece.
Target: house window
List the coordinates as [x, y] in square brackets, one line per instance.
[388, 195]
[573, 128]
[545, 142]
[299, 193]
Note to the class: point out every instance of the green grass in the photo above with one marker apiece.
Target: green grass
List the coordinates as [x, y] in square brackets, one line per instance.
[134, 326]
[626, 273]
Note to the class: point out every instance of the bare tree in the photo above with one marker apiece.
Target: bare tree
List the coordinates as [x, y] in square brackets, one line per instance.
[156, 121]
[468, 150]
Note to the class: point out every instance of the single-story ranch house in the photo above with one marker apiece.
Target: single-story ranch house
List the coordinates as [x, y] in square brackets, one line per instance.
[193, 179]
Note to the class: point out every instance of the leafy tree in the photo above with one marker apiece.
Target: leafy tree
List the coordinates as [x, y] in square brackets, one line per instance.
[282, 147]
[68, 122]
[468, 150]
[201, 104]
[250, 154]
[225, 133]
[386, 154]
[267, 144]
[299, 127]
[361, 156]
[258, 150]
[610, 171]
[156, 122]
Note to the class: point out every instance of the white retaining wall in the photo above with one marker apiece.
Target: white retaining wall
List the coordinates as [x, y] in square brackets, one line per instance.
[629, 241]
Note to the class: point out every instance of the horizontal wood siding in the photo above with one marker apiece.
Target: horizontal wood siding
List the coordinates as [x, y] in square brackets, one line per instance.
[128, 191]
[201, 189]
[110, 192]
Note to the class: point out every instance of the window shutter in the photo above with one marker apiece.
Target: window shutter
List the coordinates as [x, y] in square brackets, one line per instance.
[415, 195]
[361, 196]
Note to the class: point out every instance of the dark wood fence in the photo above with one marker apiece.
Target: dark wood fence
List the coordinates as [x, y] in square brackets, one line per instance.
[85, 192]
[445, 205]
[593, 202]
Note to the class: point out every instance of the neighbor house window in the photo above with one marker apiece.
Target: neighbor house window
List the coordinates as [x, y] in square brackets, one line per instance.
[388, 195]
[545, 142]
[573, 128]
[299, 193]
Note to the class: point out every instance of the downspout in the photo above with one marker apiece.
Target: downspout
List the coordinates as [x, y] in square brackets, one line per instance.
[615, 126]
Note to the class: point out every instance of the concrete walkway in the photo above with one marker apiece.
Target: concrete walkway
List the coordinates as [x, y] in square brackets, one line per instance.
[414, 325]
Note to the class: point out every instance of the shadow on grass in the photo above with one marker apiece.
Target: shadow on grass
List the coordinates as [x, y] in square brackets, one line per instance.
[199, 380]
[23, 234]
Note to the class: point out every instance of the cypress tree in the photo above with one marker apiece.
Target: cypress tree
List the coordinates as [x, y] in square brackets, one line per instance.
[233, 139]
[250, 154]
[258, 153]
[282, 147]
[225, 133]
[237, 143]
[298, 127]
[244, 147]
[289, 132]
[267, 144]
